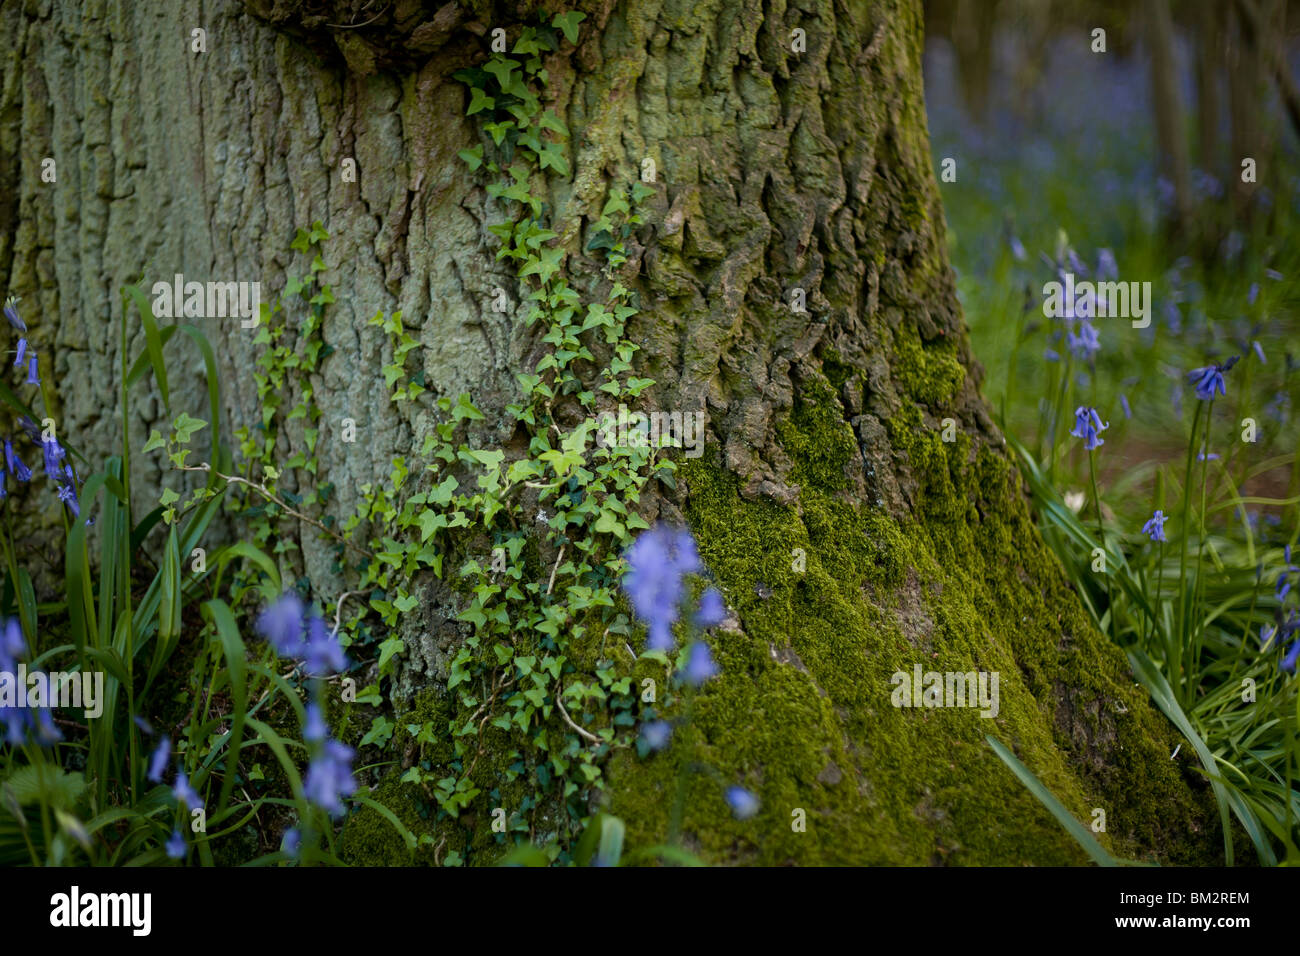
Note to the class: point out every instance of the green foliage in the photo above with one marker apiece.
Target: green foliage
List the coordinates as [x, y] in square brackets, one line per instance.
[536, 539]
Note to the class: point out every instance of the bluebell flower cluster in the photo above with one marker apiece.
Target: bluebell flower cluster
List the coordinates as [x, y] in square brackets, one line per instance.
[1209, 379]
[295, 633]
[298, 635]
[53, 454]
[1089, 426]
[1155, 527]
[658, 562]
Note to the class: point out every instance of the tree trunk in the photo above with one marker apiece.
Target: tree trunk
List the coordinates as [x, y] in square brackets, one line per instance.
[850, 540]
[1167, 102]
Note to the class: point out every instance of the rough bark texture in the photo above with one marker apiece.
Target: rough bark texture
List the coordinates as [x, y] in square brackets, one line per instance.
[777, 171]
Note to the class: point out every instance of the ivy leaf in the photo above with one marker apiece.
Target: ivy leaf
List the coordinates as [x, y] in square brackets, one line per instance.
[568, 24]
[501, 69]
[155, 441]
[185, 426]
[479, 101]
[390, 647]
[474, 157]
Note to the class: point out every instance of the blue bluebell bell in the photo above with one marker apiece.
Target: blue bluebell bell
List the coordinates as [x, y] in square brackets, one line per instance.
[322, 653]
[175, 845]
[1086, 343]
[329, 777]
[158, 760]
[699, 665]
[656, 734]
[743, 803]
[281, 624]
[22, 353]
[314, 730]
[712, 611]
[11, 313]
[1106, 266]
[185, 794]
[53, 453]
[33, 376]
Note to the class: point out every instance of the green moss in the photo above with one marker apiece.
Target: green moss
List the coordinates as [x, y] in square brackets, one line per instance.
[801, 712]
[817, 439]
[932, 374]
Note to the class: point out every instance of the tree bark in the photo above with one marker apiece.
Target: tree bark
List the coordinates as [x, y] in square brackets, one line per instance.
[777, 171]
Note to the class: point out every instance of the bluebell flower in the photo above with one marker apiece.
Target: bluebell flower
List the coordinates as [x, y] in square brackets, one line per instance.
[184, 793]
[1288, 662]
[656, 734]
[143, 724]
[1086, 343]
[713, 610]
[22, 353]
[1253, 294]
[1017, 249]
[1123, 403]
[1209, 379]
[30, 427]
[281, 624]
[68, 495]
[1052, 355]
[699, 665]
[12, 645]
[1106, 267]
[1088, 426]
[1155, 527]
[1259, 351]
[743, 803]
[176, 846]
[52, 452]
[329, 777]
[322, 653]
[158, 760]
[1273, 274]
[32, 377]
[4, 484]
[1202, 455]
[291, 844]
[657, 562]
[314, 730]
[11, 313]
[1283, 586]
[1173, 316]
